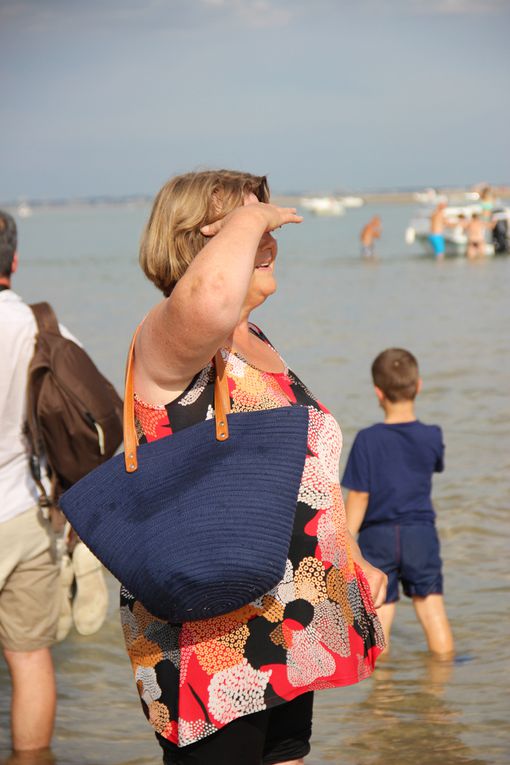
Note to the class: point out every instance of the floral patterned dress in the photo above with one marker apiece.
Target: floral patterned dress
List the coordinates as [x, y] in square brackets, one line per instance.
[316, 629]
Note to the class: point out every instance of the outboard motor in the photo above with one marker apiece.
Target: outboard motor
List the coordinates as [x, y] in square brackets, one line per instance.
[500, 233]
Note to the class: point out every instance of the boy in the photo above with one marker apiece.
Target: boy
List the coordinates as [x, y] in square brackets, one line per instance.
[389, 477]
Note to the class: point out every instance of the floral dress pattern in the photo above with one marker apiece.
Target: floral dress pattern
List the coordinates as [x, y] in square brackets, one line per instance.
[316, 629]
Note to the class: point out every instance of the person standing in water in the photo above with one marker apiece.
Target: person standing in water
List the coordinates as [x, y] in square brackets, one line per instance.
[475, 230]
[238, 687]
[389, 477]
[369, 233]
[437, 226]
[486, 203]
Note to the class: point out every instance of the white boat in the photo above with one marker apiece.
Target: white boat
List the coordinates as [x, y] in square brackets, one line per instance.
[352, 202]
[429, 197]
[432, 197]
[323, 205]
[24, 210]
[455, 235]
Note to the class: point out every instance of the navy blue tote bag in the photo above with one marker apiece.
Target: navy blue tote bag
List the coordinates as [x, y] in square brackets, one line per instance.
[198, 523]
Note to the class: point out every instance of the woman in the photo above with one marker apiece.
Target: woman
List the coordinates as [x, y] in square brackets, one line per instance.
[238, 688]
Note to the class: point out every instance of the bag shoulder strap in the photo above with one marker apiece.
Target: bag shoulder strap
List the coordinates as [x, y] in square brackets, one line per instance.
[221, 397]
[46, 322]
[221, 405]
[45, 317]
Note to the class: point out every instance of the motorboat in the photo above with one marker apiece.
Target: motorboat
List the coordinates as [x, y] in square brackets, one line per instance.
[432, 197]
[455, 233]
[324, 206]
[24, 210]
[352, 202]
[428, 197]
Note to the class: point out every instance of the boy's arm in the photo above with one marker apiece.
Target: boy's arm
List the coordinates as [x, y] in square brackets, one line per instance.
[356, 480]
[355, 508]
[357, 472]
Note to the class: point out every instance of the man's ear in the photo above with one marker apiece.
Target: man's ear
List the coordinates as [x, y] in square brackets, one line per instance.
[419, 386]
[14, 266]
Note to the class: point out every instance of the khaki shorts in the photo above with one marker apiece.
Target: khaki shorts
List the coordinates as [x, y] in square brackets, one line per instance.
[29, 583]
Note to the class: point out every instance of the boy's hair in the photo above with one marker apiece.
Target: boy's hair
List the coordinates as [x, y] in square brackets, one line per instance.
[395, 372]
[8, 242]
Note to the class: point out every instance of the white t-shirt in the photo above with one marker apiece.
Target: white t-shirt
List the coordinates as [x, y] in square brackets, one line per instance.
[18, 330]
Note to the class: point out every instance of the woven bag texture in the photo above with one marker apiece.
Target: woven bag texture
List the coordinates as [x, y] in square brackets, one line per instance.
[202, 527]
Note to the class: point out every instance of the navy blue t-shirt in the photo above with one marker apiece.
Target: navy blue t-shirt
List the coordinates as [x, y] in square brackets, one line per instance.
[394, 464]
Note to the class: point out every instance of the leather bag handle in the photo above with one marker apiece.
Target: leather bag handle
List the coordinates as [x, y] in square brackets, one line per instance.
[221, 405]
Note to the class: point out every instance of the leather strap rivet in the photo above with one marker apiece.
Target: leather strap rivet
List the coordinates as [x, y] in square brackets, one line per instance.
[222, 424]
[132, 467]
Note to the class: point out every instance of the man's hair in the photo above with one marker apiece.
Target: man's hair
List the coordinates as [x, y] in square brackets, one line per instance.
[8, 242]
[185, 204]
[395, 372]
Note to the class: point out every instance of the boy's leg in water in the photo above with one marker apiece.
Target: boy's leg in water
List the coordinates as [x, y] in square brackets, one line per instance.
[422, 581]
[431, 613]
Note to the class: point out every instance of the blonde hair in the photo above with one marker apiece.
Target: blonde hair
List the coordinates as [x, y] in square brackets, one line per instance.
[172, 236]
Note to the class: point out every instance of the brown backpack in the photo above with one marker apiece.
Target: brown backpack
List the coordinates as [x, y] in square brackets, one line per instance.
[74, 415]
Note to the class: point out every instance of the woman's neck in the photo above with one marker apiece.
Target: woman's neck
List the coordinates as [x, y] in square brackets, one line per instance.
[255, 350]
[241, 333]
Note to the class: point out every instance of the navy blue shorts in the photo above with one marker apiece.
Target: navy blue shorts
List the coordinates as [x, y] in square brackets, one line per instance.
[406, 553]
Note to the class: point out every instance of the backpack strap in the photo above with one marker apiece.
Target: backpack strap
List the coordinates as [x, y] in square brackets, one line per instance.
[45, 317]
[47, 321]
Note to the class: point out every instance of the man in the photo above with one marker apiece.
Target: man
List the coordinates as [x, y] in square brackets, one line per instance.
[437, 227]
[369, 233]
[29, 589]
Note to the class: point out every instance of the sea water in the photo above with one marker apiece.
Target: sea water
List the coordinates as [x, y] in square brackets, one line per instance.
[332, 314]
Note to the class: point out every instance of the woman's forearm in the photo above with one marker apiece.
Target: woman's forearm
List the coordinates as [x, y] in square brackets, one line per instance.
[216, 282]
[355, 551]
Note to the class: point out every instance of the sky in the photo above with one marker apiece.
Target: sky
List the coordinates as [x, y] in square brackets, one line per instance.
[113, 97]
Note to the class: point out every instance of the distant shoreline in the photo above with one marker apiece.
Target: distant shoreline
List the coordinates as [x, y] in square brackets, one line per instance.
[292, 200]
[390, 197]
